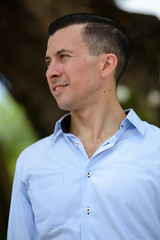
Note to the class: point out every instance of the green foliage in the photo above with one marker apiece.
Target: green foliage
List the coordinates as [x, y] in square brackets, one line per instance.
[16, 132]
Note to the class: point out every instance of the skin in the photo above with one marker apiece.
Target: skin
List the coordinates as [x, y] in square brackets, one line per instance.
[85, 86]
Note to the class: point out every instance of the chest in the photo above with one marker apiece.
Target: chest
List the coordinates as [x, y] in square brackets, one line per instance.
[111, 184]
[91, 146]
[109, 176]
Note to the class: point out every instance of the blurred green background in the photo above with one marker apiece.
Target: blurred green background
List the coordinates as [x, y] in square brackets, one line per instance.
[27, 109]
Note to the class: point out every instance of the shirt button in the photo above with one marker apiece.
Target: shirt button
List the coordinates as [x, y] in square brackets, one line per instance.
[88, 210]
[88, 174]
[76, 144]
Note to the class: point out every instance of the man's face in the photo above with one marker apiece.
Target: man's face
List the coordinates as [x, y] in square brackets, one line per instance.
[72, 73]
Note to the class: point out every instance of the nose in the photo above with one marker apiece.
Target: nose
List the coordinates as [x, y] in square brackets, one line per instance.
[53, 71]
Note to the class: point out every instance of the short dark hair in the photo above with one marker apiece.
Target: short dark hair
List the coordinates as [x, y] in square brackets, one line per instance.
[100, 34]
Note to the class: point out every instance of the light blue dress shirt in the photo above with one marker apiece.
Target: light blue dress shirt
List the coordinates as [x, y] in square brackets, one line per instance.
[59, 193]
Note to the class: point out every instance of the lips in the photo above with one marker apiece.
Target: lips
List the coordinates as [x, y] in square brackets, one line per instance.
[56, 88]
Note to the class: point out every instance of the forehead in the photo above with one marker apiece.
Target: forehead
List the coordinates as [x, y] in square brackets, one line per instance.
[67, 37]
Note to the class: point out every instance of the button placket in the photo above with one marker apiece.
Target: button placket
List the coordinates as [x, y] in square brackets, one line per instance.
[88, 209]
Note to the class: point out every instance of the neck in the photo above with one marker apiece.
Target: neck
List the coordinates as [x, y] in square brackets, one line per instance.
[97, 122]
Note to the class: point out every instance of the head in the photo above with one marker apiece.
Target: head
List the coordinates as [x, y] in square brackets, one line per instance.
[101, 35]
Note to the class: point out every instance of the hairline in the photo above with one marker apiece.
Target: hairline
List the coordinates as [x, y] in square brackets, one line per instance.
[86, 38]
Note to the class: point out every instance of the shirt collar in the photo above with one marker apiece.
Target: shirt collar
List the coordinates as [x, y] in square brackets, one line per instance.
[132, 117]
[62, 124]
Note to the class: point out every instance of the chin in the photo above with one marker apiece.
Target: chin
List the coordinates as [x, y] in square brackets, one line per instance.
[64, 107]
[69, 104]
[68, 107]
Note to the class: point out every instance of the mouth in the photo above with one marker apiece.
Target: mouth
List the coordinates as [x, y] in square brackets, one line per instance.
[59, 87]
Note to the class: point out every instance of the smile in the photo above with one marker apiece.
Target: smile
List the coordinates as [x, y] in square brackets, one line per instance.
[59, 87]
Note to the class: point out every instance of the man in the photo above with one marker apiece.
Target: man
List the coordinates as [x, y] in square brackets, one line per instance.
[98, 176]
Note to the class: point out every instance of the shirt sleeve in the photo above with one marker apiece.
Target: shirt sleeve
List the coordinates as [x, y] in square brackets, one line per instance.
[21, 223]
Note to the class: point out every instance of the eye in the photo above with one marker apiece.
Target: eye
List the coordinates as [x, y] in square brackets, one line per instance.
[63, 56]
[47, 62]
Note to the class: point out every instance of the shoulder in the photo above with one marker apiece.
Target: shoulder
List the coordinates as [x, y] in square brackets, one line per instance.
[40, 145]
[151, 130]
[33, 153]
[151, 138]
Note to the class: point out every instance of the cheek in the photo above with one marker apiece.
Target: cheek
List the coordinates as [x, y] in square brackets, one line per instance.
[81, 74]
[47, 77]
[47, 74]
[49, 83]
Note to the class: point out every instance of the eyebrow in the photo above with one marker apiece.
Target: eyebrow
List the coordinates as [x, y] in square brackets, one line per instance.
[58, 53]
[63, 50]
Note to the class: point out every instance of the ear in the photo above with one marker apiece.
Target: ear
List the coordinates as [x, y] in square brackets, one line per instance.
[109, 63]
